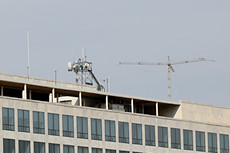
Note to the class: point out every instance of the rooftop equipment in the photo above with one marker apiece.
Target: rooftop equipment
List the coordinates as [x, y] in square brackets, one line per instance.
[84, 72]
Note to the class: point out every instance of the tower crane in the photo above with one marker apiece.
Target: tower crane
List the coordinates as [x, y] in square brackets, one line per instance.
[169, 65]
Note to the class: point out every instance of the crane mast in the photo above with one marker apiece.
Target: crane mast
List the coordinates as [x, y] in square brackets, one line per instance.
[169, 67]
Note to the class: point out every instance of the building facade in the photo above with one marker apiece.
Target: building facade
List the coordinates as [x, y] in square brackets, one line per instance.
[43, 116]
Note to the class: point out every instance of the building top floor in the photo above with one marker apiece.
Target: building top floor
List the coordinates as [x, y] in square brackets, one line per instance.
[87, 96]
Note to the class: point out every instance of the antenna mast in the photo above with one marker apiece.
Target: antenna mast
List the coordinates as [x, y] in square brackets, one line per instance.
[170, 68]
[28, 54]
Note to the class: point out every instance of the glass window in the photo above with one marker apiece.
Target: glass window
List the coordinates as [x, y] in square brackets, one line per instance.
[23, 121]
[38, 122]
[121, 151]
[188, 140]
[110, 131]
[96, 150]
[212, 142]
[68, 149]
[8, 119]
[53, 124]
[200, 141]
[175, 138]
[82, 127]
[8, 146]
[149, 135]
[54, 148]
[67, 122]
[162, 136]
[24, 146]
[39, 147]
[123, 132]
[96, 130]
[224, 143]
[83, 149]
[136, 133]
[110, 151]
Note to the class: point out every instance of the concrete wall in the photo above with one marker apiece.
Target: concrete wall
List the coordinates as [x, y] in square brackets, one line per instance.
[104, 115]
[205, 113]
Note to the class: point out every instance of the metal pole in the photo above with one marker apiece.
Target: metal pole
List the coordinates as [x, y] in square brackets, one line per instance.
[28, 54]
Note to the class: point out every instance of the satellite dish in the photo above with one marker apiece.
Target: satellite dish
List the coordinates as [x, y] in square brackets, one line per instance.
[70, 67]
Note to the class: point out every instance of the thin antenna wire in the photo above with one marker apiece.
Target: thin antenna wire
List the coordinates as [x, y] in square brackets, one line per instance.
[28, 54]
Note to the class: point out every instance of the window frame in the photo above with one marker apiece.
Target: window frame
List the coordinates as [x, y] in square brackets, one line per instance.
[97, 129]
[123, 128]
[136, 134]
[81, 133]
[110, 135]
[176, 140]
[163, 136]
[24, 125]
[150, 136]
[40, 129]
[55, 129]
[67, 132]
[10, 125]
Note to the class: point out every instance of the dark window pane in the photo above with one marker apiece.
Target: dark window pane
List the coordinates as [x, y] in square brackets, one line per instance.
[224, 143]
[24, 146]
[67, 122]
[110, 151]
[200, 141]
[53, 124]
[8, 146]
[54, 148]
[136, 133]
[188, 140]
[175, 138]
[82, 127]
[83, 149]
[110, 131]
[96, 130]
[212, 142]
[149, 135]
[38, 122]
[68, 149]
[8, 119]
[123, 132]
[23, 121]
[162, 136]
[39, 147]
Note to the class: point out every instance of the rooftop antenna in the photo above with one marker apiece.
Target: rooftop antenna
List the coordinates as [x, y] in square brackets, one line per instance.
[84, 72]
[28, 54]
[107, 81]
[169, 67]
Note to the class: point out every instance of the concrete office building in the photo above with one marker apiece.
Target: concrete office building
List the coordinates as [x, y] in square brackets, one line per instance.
[43, 116]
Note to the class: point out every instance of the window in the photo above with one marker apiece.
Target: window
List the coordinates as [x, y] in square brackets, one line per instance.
[149, 135]
[224, 143]
[39, 147]
[24, 146]
[162, 136]
[136, 133]
[8, 119]
[175, 138]
[38, 122]
[67, 122]
[200, 141]
[53, 124]
[96, 131]
[54, 148]
[23, 121]
[68, 149]
[110, 131]
[188, 140]
[83, 150]
[121, 151]
[82, 127]
[96, 150]
[110, 151]
[123, 132]
[212, 142]
[8, 146]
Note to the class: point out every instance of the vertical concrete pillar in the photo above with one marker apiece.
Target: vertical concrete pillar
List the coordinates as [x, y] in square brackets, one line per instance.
[80, 99]
[24, 92]
[107, 102]
[156, 134]
[157, 110]
[132, 106]
[2, 90]
[206, 141]
[53, 96]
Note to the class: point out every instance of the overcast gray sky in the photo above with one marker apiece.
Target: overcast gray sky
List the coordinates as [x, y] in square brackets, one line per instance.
[123, 30]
